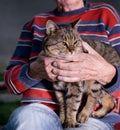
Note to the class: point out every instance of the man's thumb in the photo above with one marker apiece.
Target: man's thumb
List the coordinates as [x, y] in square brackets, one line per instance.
[88, 49]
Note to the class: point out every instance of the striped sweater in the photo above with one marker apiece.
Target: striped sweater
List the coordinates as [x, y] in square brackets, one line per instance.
[100, 21]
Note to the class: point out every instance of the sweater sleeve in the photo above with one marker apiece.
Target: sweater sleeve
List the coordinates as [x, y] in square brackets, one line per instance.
[113, 31]
[16, 75]
[114, 86]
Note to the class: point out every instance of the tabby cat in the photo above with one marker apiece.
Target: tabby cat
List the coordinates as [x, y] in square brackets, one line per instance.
[65, 41]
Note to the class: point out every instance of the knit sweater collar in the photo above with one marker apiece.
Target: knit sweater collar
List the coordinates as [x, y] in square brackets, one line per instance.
[78, 11]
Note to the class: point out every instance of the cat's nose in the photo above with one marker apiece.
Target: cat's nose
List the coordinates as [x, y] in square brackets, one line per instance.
[72, 52]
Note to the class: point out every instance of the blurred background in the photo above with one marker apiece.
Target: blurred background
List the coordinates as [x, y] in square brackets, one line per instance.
[13, 15]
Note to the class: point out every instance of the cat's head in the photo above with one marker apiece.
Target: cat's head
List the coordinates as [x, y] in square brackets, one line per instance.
[62, 40]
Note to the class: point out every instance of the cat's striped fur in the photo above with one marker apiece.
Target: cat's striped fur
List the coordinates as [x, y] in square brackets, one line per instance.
[65, 41]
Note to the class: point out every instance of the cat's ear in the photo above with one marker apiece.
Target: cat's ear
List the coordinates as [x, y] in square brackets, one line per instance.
[51, 27]
[75, 24]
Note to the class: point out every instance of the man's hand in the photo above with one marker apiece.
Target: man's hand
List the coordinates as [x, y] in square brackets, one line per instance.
[42, 68]
[85, 66]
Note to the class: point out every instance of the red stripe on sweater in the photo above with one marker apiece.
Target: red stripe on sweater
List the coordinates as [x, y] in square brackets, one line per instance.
[117, 126]
[7, 73]
[114, 36]
[116, 94]
[39, 93]
[19, 59]
[19, 86]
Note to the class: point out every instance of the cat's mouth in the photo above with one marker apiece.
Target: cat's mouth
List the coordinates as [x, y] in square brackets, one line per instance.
[64, 57]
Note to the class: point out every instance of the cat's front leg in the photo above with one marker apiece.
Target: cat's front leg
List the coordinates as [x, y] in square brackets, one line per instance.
[62, 111]
[87, 110]
[73, 98]
[70, 120]
[93, 89]
[60, 95]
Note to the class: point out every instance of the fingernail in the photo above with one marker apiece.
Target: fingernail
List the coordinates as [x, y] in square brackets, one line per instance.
[60, 78]
[54, 71]
[54, 64]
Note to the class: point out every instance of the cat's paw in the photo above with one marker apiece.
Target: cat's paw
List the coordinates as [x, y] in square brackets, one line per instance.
[62, 118]
[83, 116]
[99, 113]
[70, 124]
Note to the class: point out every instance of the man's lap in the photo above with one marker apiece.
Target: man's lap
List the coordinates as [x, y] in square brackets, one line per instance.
[39, 117]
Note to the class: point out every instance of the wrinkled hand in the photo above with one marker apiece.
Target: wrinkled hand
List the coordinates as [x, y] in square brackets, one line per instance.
[85, 66]
[42, 68]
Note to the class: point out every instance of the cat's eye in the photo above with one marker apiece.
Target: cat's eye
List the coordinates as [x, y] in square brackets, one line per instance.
[77, 41]
[65, 43]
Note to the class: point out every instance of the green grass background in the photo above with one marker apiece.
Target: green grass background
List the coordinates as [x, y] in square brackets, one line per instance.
[6, 108]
